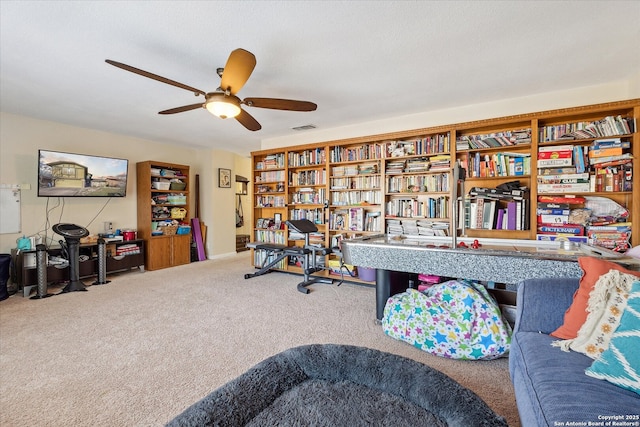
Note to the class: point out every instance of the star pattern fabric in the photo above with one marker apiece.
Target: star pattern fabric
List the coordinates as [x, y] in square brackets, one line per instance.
[456, 319]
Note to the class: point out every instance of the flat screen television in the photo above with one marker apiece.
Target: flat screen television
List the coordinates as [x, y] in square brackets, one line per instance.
[80, 175]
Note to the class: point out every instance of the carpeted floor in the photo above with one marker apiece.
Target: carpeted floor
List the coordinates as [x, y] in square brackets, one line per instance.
[141, 349]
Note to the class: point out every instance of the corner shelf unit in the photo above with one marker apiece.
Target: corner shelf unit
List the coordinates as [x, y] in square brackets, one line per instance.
[374, 184]
[158, 202]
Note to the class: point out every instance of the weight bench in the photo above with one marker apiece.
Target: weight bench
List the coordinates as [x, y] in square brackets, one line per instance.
[306, 253]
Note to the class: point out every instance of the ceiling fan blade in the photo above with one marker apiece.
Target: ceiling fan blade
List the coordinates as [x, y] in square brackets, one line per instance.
[154, 76]
[280, 104]
[248, 121]
[236, 72]
[182, 109]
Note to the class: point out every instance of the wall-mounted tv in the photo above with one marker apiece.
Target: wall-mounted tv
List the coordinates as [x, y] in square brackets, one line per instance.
[80, 175]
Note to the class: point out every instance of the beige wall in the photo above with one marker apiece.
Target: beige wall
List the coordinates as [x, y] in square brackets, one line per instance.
[21, 137]
[612, 91]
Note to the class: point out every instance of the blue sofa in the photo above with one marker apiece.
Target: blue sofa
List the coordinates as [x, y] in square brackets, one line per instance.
[551, 387]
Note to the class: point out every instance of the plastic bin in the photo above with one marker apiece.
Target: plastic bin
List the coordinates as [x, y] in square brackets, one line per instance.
[183, 229]
[161, 185]
[367, 274]
[177, 200]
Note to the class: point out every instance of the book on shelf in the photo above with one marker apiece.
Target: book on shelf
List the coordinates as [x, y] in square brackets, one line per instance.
[555, 152]
[573, 229]
[558, 171]
[558, 162]
[552, 211]
[372, 221]
[569, 178]
[605, 152]
[562, 237]
[578, 187]
[553, 219]
[608, 126]
[605, 159]
[610, 143]
[565, 198]
[356, 219]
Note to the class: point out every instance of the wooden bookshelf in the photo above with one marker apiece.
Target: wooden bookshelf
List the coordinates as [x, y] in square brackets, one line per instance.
[384, 175]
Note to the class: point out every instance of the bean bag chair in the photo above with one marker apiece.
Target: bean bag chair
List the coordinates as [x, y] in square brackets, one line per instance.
[457, 319]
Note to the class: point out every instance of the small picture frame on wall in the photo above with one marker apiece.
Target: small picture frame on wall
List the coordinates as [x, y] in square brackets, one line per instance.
[224, 178]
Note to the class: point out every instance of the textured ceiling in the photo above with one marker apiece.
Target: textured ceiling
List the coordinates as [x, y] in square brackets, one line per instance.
[358, 60]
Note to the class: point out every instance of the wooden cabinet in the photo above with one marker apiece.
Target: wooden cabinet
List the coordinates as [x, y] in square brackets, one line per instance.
[168, 251]
[163, 213]
[407, 176]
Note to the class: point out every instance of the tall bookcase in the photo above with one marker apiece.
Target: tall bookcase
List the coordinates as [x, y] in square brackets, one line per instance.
[159, 199]
[403, 182]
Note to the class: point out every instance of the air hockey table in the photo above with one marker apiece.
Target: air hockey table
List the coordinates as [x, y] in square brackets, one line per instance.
[483, 259]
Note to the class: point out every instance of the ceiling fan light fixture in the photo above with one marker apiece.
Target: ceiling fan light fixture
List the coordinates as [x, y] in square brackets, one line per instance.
[223, 107]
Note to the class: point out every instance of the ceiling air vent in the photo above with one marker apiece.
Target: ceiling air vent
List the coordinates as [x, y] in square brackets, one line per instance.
[304, 127]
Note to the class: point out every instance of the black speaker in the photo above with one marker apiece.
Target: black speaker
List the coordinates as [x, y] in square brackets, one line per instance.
[5, 262]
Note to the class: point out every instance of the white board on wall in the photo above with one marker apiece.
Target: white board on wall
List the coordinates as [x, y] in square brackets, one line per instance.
[9, 209]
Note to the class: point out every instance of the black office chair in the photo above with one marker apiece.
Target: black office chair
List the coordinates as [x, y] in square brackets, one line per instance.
[309, 257]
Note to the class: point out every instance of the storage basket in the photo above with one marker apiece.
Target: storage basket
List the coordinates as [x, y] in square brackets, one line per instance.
[178, 186]
[177, 200]
[178, 213]
[169, 230]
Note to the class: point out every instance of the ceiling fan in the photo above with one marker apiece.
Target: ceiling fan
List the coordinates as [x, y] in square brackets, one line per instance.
[224, 102]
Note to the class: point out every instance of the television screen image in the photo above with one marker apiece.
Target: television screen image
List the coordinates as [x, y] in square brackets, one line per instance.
[80, 175]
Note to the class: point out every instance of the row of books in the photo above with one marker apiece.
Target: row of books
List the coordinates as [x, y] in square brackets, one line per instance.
[314, 215]
[271, 176]
[270, 201]
[312, 157]
[612, 237]
[270, 236]
[607, 179]
[366, 182]
[271, 161]
[313, 196]
[262, 257]
[440, 162]
[491, 214]
[355, 219]
[363, 152]
[608, 126]
[496, 139]
[420, 227]
[419, 183]
[433, 207]
[269, 223]
[352, 170]
[428, 145]
[308, 177]
[498, 164]
[350, 198]
[315, 237]
[556, 219]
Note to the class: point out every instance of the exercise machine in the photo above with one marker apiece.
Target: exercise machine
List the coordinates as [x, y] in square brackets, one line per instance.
[72, 234]
[306, 254]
